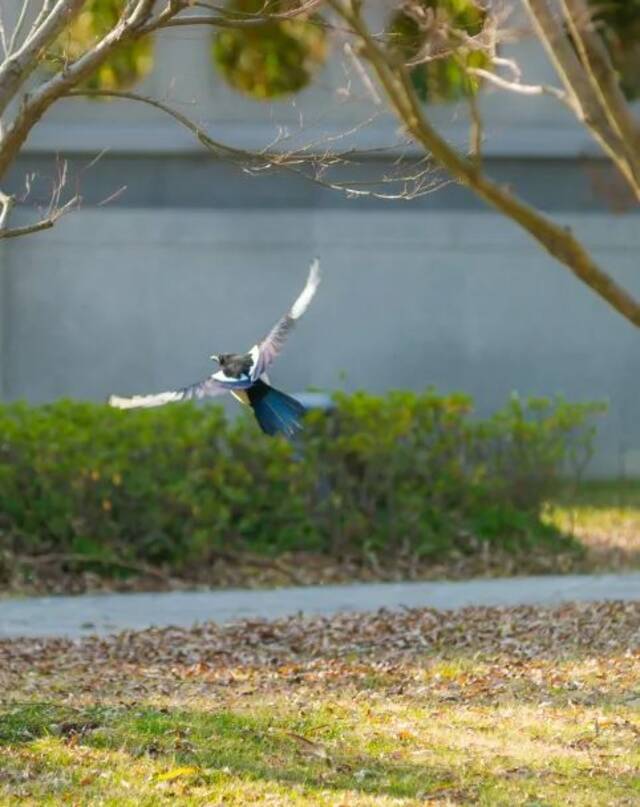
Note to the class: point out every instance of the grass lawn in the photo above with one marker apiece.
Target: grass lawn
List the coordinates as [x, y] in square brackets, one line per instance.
[522, 706]
[605, 517]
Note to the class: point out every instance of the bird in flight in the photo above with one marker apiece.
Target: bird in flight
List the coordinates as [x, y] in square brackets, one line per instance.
[244, 375]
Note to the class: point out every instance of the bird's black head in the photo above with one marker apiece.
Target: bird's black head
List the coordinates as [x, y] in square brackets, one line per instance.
[222, 358]
[234, 365]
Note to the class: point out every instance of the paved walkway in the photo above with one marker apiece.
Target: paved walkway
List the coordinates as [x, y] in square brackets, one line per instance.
[108, 613]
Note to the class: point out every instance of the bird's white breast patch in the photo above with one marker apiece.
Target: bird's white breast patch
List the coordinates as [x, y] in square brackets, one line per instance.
[255, 357]
[231, 381]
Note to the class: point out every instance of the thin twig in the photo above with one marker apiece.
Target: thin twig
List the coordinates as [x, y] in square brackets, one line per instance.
[294, 11]
[362, 74]
[44, 12]
[476, 130]
[3, 36]
[522, 89]
[18, 26]
[411, 186]
[200, 134]
[199, 19]
[6, 204]
[511, 64]
[45, 223]
[112, 196]
[222, 17]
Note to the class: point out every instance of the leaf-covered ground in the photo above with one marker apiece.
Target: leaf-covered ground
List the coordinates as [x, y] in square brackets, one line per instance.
[524, 706]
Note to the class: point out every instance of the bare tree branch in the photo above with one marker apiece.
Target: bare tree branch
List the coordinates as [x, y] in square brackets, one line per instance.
[45, 10]
[55, 209]
[306, 7]
[556, 240]
[18, 26]
[216, 146]
[16, 69]
[522, 89]
[550, 29]
[564, 26]
[45, 223]
[200, 19]
[4, 44]
[475, 137]
[34, 107]
[362, 74]
[304, 162]
[6, 204]
[18, 66]
[599, 68]
[171, 17]
[141, 12]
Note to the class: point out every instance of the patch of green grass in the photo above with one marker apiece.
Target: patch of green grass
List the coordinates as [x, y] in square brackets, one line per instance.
[457, 731]
[622, 496]
[604, 516]
[383, 754]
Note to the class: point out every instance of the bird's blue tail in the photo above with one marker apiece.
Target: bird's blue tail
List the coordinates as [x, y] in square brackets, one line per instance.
[276, 412]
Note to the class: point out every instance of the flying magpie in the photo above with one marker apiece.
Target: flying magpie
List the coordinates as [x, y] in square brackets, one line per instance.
[244, 375]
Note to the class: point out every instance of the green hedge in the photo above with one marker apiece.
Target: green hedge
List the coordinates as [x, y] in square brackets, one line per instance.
[175, 485]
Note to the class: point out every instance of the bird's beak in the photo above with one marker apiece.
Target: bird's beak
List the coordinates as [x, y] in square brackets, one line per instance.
[214, 357]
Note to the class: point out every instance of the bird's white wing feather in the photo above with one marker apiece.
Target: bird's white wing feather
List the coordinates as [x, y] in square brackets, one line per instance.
[202, 389]
[272, 344]
[311, 286]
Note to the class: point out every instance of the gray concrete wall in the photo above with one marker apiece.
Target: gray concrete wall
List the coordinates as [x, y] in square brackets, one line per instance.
[200, 181]
[134, 301]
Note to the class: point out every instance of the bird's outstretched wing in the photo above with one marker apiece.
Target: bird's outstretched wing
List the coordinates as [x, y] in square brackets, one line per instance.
[202, 389]
[271, 345]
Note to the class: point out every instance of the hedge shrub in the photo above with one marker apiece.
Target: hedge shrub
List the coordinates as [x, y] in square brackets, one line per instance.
[175, 485]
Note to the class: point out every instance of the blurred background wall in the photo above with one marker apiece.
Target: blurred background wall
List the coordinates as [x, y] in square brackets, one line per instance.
[192, 255]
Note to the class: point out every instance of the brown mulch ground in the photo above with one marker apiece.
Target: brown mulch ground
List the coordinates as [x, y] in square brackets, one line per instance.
[34, 577]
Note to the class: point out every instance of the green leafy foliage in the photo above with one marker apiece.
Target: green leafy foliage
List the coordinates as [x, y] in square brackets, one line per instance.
[619, 24]
[437, 36]
[126, 66]
[272, 59]
[178, 484]
[419, 472]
